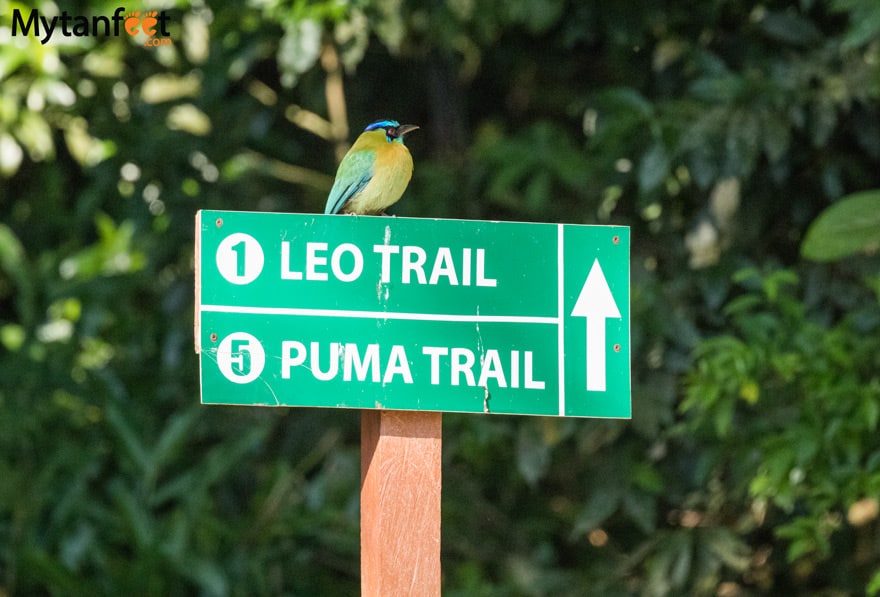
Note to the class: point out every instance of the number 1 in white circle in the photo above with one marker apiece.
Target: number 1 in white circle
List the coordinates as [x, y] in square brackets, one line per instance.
[240, 258]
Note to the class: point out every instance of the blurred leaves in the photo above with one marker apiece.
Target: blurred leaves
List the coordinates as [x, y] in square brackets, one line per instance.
[299, 49]
[849, 227]
[803, 400]
[790, 27]
[530, 169]
[111, 255]
[864, 17]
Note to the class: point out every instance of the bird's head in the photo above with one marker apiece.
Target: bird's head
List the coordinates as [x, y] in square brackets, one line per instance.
[394, 131]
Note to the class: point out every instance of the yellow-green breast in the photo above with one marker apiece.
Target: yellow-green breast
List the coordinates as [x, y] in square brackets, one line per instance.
[392, 170]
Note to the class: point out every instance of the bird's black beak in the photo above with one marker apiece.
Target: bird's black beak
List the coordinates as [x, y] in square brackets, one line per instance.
[406, 128]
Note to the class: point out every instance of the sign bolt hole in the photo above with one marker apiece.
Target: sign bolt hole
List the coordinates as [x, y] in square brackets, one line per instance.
[617, 348]
[615, 239]
[213, 336]
[219, 222]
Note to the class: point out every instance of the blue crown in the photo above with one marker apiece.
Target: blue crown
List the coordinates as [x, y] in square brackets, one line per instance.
[382, 124]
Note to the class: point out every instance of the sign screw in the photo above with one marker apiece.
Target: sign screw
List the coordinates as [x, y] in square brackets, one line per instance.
[617, 348]
[219, 222]
[615, 239]
[213, 336]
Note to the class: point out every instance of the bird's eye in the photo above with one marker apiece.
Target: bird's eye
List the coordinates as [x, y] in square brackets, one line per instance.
[391, 132]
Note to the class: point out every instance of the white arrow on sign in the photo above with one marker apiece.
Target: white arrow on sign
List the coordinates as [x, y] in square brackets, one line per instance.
[596, 304]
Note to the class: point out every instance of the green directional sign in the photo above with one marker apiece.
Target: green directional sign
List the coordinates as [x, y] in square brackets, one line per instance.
[413, 314]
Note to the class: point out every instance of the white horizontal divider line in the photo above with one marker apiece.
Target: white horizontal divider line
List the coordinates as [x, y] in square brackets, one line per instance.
[377, 314]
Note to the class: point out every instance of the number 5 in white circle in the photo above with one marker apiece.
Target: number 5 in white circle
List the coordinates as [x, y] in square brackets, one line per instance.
[240, 357]
[240, 258]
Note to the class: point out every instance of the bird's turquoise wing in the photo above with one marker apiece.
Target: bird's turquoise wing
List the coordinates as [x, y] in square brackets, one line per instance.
[354, 173]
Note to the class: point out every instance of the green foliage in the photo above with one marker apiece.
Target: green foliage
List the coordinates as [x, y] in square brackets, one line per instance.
[532, 167]
[874, 584]
[849, 227]
[795, 404]
[718, 131]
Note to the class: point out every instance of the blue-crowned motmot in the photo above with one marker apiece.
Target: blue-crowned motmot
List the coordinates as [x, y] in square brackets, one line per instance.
[374, 173]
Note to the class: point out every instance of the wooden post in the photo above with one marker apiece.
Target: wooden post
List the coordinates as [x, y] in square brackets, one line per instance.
[400, 503]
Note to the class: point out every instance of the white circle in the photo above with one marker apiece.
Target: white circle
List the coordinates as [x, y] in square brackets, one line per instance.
[240, 357]
[240, 258]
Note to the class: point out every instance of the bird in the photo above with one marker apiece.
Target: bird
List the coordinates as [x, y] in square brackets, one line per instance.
[374, 173]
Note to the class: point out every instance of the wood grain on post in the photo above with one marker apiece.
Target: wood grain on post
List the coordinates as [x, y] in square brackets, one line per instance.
[400, 503]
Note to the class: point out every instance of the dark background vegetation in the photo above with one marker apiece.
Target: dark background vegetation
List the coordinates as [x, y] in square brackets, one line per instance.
[718, 130]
